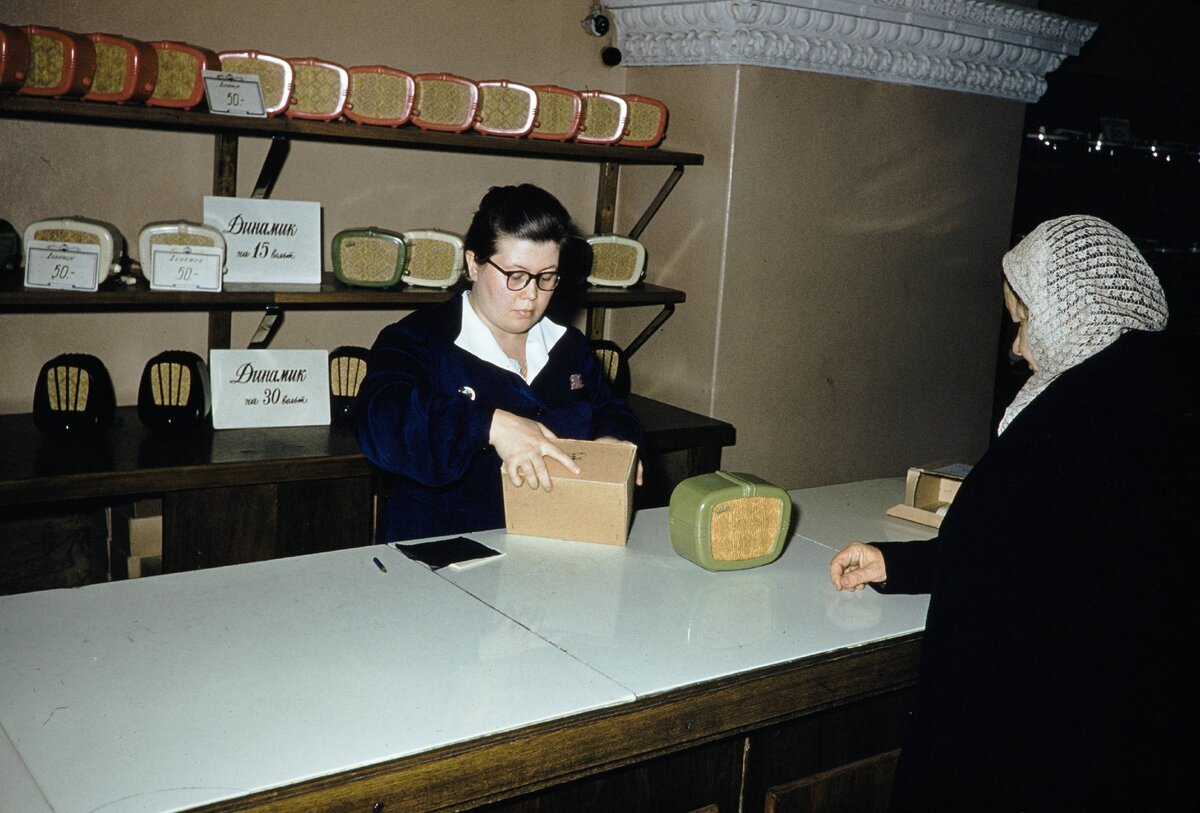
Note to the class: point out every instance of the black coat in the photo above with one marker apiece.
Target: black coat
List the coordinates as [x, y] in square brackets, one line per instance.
[425, 410]
[1057, 664]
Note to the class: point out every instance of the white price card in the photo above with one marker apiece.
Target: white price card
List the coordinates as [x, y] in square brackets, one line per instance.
[66, 266]
[186, 268]
[256, 388]
[268, 242]
[234, 94]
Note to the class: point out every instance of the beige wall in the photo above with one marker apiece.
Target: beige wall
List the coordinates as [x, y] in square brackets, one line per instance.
[839, 248]
[840, 251]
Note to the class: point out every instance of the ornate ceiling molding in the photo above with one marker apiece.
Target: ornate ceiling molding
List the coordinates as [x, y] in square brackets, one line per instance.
[975, 46]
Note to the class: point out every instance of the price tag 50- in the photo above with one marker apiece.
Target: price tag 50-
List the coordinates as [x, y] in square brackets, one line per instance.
[234, 94]
[72, 267]
[190, 268]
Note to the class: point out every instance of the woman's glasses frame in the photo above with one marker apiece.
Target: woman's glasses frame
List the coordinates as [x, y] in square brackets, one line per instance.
[519, 280]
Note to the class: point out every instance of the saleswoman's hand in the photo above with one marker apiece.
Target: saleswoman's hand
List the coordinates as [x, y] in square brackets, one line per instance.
[857, 564]
[523, 446]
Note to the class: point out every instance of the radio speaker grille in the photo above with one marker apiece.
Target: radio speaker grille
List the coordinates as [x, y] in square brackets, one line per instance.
[430, 259]
[614, 261]
[66, 236]
[68, 389]
[112, 66]
[370, 260]
[170, 384]
[178, 76]
[744, 528]
[346, 374]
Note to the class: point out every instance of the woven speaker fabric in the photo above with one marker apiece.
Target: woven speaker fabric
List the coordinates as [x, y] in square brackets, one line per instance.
[380, 96]
[66, 236]
[317, 89]
[271, 76]
[444, 103]
[1084, 284]
[744, 528]
[602, 118]
[47, 60]
[112, 67]
[504, 108]
[430, 259]
[345, 375]
[171, 384]
[613, 261]
[372, 260]
[556, 113]
[176, 239]
[68, 388]
[178, 73]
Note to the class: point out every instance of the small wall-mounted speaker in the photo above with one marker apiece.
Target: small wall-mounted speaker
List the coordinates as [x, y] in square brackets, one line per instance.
[176, 236]
[506, 108]
[560, 111]
[61, 63]
[647, 122]
[126, 70]
[180, 82]
[275, 76]
[14, 57]
[73, 232]
[347, 369]
[175, 393]
[614, 364]
[10, 248]
[729, 521]
[444, 102]
[604, 118]
[372, 257]
[74, 395]
[616, 261]
[379, 95]
[435, 258]
[319, 90]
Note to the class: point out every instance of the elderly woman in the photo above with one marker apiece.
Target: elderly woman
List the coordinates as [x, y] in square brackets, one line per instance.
[457, 391]
[1054, 673]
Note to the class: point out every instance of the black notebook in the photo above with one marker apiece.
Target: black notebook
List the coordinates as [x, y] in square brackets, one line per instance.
[457, 552]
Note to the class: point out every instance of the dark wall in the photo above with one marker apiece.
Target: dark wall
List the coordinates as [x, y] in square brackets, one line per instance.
[1140, 71]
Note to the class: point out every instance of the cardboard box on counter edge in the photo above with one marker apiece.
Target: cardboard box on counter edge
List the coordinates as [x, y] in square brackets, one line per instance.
[595, 505]
[928, 489]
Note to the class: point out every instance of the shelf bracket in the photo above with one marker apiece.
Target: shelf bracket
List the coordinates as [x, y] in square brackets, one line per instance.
[656, 204]
[650, 329]
[272, 165]
[272, 320]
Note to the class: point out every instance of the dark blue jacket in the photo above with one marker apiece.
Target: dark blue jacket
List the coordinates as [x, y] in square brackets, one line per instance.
[417, 419]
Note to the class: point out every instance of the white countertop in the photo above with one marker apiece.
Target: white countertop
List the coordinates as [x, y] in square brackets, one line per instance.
[163, 693]
[654, 621]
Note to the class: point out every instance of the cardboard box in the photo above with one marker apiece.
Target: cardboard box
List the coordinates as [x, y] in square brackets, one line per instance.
[928, 492]
[592, 506]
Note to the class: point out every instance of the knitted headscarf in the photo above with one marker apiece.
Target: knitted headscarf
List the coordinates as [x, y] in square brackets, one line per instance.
[1084, 284]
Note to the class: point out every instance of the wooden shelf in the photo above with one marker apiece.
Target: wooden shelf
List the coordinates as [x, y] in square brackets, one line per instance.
[130, 460]
[159, 118]
[330, 295]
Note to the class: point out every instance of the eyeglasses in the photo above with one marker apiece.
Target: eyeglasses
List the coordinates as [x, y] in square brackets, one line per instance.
[518, 280]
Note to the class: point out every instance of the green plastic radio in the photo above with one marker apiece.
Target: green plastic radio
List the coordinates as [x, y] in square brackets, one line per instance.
[369, 257]
[729, 521]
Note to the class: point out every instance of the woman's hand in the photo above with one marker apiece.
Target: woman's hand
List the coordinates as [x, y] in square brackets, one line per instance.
[857, 564]
[611, 439]
[523, 446]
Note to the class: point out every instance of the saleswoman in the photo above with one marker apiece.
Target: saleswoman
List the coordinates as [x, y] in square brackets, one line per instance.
[456, 391]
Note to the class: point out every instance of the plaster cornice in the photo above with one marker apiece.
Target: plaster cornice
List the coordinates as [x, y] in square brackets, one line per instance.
[975, 46]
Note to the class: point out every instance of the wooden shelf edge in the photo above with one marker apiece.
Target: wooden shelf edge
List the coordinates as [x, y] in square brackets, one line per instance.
[158, 118]
[330, 296]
